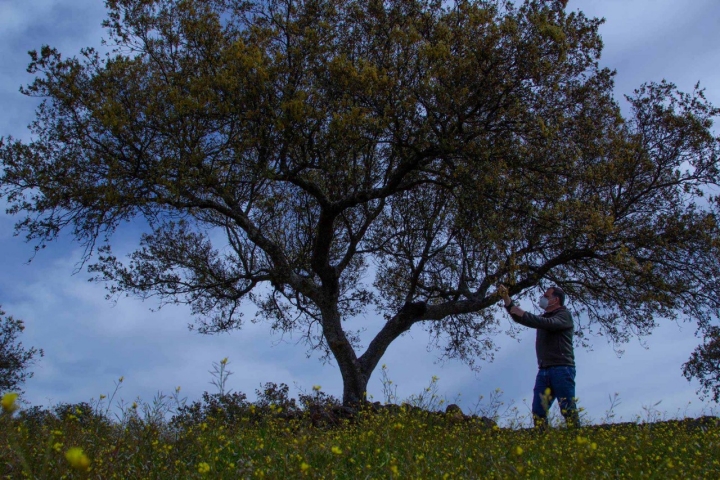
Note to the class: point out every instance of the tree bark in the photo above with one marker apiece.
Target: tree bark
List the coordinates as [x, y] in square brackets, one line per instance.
[354, 377]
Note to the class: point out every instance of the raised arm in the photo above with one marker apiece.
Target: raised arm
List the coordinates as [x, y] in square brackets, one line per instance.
[560, 321]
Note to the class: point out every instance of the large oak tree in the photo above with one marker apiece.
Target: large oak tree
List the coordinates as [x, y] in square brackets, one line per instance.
[406, 155]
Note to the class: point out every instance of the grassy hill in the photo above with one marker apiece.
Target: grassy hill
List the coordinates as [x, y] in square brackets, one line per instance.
[224, 436]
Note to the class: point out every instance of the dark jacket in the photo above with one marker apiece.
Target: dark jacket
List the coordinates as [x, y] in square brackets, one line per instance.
[554, 340]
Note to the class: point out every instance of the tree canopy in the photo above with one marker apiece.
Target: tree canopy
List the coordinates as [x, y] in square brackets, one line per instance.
[15, 360]
[402, 155]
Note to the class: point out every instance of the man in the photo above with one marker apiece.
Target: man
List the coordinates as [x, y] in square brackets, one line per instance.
[555, 355]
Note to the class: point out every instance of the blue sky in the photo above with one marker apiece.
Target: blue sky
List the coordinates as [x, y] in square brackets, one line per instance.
[89, 342]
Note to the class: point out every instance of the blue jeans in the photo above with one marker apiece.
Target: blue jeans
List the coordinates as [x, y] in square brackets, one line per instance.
[551, 383]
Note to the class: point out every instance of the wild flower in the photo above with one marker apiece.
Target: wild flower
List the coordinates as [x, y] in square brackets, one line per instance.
[8, 402]
[77, 458]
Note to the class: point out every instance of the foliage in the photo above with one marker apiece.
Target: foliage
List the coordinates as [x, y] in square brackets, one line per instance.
[15, 360]
[276, 397]
[406, 155]
[317, 399]
[704, 364]
[227, 408]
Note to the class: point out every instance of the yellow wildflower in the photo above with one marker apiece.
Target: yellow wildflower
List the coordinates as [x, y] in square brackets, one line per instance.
[8, 402]
[77, 458]
[304, 466]
[203, 467]
[519, 450]
[336, 450]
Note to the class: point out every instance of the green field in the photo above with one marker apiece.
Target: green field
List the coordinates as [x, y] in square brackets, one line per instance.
[241, 440]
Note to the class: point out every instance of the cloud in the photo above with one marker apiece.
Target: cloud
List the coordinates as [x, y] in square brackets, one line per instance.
[654, 40]
[24, 26]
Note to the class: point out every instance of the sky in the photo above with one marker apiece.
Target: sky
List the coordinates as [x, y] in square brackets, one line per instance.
[90, 342]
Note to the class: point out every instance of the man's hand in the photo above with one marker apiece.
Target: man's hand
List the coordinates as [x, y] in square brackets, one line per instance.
[502, 291]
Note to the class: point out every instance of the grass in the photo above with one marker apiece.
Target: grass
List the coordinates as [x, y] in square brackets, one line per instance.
[225, 436]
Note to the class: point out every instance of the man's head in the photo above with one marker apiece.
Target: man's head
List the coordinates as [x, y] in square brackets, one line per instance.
[555, 298]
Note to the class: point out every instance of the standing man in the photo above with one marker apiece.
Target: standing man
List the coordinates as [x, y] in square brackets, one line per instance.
[555, 355]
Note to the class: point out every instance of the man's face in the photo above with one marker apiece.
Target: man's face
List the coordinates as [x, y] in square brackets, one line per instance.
[552, 301]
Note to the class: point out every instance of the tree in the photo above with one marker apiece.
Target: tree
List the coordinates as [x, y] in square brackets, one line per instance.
[406, 155]
[14, 359]
[704, 364]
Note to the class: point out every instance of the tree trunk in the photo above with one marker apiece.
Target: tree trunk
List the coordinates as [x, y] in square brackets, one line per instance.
[354, 378]
[356, 371]
[354, 386]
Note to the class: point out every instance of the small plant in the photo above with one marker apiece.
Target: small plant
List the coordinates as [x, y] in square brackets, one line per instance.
[389, 389]
[610, 412]
[493, 407]
[652, 414]
[429, 399]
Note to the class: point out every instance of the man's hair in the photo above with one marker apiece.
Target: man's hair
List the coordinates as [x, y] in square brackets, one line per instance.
[558, 292]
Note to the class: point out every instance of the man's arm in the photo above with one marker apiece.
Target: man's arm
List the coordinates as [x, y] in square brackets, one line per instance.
[561, 321]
